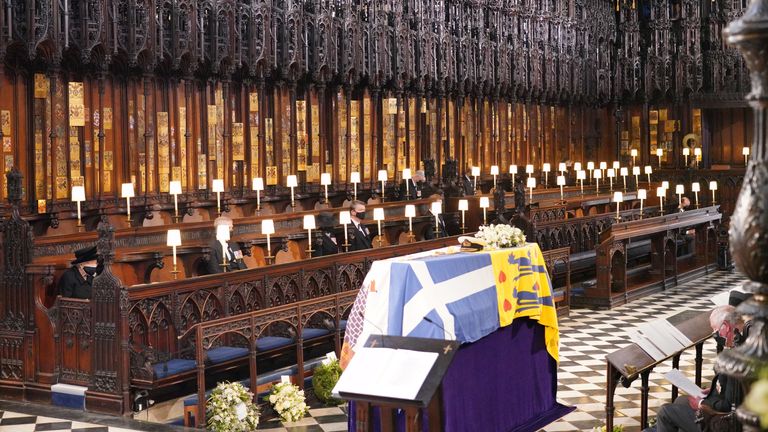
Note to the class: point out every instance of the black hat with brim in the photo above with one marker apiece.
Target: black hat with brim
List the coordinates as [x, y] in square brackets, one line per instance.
[326, 220]
[737, 297]
[85, 254]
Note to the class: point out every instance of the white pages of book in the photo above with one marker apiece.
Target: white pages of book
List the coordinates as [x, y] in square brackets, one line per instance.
[677, 379]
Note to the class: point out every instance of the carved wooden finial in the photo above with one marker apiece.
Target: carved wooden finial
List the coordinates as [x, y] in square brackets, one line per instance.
[105, 245]
[14, 178]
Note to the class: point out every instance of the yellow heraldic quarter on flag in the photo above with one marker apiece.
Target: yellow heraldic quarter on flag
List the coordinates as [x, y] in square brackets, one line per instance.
[524, 290]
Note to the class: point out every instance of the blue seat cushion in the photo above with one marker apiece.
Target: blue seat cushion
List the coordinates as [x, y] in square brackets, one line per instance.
[172, 367]
[342, 325]
[266, 343]
[311, 333]
[225, 353]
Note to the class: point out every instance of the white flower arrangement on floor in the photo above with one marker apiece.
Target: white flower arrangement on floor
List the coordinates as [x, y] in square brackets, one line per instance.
[231, 408]
[288, 401]
[501, 236]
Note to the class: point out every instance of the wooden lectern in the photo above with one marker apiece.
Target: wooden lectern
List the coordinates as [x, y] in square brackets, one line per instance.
[427, 399]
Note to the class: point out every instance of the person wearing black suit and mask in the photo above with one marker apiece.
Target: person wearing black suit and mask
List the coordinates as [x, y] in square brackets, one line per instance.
[415, 186]
[326, 242]
[467, 183]
[234, 254]
[359, 235]
[77, 281]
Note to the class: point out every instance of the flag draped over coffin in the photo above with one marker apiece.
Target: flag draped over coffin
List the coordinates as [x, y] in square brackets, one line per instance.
[463, 296]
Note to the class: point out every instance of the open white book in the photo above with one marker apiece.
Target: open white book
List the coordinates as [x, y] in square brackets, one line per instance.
[659, 338]
[677, 379]
[386, 372]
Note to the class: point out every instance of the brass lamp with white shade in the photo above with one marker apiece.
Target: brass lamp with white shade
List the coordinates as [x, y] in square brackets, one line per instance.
[616, 165]
[591, 169]
[648, 172]
[345, 218]
[659, 154]
[610, 173]
[484, 204]
[577, 166]
[325, 181]
[78, 196]
[624, 171]
[561, 183]
[713, 188]
[697, 153]
[494, 173]
[378, 216]
[410, 213]
[309, 225]
[581, 175]
[679, 191]
[618, 198]
[437, 208]
[268, 228]
[383, 176]
[665, 185]
[562, 168]
[603, 167]
[661, 193]
[546, 168]
[174, 188]
[633, 153]
[513, 171]
[292, 182]
[529, 170]
[745, 152]
[636, 173]
[642, 195]
[598, 174]
[222, 235]
[407, 176]
[127, 192]
[686, 153]
[258, 186]
[696, 188]
[463, 207]
[475, 175]
[218, 187]
[174, 240]
[354, 178]
[531, 184]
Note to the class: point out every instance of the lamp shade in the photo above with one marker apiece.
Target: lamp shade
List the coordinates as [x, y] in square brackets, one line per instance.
[292, 181]
[345, 218]
[78, 193]
[463, 205]
[174, 187]
[437, 207]
[494, 170]
[633, 152]
[546, 167]
[611, 173]
[529, 169]
[624, 171]
[659, 152]
[484, 202]
[258, 184]
[475, 171]
[531, 182]
[598, 174]
[561, 180]
[616, 165]
[325, 179]
[697, 151]
[267, 226]
[562, 167]
[603, 165]
[745, 151]
[581, 175]
[410, 211]
[382, 175]
[354, 177]
[642, 194]
[679, 189]
[648, 169]
[686, 151]
[513, 169]
[378, 214]
[590, 165]
[406, 174]
[309, 221]
[174, 238]
[636, 170]
[218, 185]
[577, 166]
[665, 184]
[695, 187]
[713, 185]
[618, 197]
[660, 192]
[127, 190]
[222, 233]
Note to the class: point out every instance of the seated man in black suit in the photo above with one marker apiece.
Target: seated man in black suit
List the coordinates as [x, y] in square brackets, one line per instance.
[430, 233]
[76, 282]
[326, 242]
[359, 235]
[415, 186]
[216, 257]
[467, 182]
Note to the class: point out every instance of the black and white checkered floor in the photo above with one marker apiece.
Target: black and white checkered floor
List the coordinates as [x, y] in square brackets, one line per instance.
[585, 337]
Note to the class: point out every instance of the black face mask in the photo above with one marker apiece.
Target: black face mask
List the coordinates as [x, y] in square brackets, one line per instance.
[360, 215]
[90, 270]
